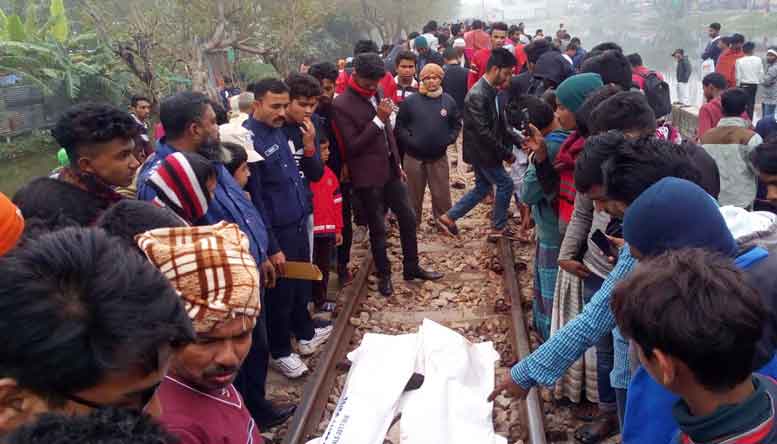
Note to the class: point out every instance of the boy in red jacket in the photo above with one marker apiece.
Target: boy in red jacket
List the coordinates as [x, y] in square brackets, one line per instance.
[327, 224]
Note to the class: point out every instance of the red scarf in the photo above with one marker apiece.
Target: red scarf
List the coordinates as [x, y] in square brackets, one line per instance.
[359, 90]
[567, 154]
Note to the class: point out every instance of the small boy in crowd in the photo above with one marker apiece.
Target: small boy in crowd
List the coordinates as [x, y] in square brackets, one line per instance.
[327, 224]
[695, 323]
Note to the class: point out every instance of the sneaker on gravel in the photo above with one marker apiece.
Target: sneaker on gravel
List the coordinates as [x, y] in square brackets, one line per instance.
[291, 366]
[309, 347]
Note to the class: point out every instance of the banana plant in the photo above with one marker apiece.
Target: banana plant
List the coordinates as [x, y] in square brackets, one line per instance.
[49, 54]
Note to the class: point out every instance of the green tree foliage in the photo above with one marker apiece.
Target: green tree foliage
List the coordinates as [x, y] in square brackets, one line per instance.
[49, 55]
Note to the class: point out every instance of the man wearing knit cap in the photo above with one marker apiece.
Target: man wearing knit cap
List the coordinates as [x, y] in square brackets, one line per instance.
[11, 225]
[217, 279]
[426, 124]
[425, 54]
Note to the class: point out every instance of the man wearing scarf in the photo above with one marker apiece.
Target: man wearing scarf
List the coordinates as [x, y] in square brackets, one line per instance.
[99, 141]
[212, 269]
[362, 117]
[426, 124]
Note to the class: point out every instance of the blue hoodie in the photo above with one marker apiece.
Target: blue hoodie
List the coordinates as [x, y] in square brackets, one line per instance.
[671, 214]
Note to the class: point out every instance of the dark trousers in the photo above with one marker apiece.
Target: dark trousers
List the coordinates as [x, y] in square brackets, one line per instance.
[287, 303]
[604, 352]
[375, 199]
[751, 89]
[322, 253]
[344, 250]
[252, 377]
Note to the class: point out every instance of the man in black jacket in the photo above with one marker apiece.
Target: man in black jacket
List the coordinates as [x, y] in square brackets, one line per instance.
[486, 147]
[427, 123]
[684, 70]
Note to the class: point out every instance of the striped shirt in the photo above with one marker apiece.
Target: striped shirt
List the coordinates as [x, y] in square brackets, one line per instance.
[549, 362]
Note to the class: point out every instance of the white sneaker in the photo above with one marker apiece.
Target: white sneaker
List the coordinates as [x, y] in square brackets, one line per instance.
[291, 366]
[309, 347]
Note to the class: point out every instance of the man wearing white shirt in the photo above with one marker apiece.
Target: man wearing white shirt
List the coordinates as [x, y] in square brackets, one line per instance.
[749, 73]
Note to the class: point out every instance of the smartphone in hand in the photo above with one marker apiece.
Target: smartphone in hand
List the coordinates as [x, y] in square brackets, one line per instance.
[604, 244]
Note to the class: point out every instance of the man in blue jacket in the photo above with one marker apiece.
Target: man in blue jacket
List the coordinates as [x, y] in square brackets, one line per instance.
[278, 189]
[190, 126]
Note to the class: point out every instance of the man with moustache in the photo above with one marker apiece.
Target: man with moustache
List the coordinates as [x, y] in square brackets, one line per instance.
[212, 269]
[190, 125]
[278, 189]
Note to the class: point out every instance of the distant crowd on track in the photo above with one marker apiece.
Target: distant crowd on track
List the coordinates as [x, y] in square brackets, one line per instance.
[148, 283]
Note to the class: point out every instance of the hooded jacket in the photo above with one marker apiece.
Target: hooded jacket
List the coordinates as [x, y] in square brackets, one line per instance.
[552, 67]
[730, 144]
[653, 224]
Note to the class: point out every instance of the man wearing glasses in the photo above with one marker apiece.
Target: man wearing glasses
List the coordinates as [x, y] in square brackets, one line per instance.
[86, 324]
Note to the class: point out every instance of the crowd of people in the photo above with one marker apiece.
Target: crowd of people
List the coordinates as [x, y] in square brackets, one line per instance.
[161, 275]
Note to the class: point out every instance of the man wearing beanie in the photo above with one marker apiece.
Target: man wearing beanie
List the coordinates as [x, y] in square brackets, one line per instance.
[670, 215]
[426, 124]
[212, 269]
[425, 54]
[11, 225]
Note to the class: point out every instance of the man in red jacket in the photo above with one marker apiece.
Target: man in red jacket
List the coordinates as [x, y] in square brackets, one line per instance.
[727, 62]
[480, 59]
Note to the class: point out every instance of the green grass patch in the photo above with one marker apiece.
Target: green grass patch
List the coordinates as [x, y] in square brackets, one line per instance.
[34, 142]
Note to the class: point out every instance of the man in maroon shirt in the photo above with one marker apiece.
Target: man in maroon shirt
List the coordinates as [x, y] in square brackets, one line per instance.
[212, 268]
[711, 112]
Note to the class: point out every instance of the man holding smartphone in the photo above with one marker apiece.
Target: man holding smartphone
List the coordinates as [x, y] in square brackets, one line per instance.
[362, 116]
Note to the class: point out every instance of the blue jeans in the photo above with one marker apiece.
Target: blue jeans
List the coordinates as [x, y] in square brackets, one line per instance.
[604, 352]
[768, 110]
[485, 178]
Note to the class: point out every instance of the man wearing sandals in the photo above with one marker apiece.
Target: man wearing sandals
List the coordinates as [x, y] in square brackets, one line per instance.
[486, 147]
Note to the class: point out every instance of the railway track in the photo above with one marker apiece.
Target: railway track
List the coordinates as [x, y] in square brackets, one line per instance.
[523, 420]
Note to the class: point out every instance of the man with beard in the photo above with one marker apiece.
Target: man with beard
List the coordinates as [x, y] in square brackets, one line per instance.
[326, 73]
[278, 189]
[190, 125]
[220, 290]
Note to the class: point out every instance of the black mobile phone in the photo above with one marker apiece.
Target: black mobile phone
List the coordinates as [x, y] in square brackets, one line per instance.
[603, 243]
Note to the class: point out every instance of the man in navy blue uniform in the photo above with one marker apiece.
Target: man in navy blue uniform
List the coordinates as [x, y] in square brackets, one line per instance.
[190, 126]
[278, 189]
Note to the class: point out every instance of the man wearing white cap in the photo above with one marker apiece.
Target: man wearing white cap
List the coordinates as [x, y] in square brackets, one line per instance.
[769, 83]
[460, 46]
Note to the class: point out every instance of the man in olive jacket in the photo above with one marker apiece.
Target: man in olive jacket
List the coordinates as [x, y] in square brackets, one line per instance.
[486, 146]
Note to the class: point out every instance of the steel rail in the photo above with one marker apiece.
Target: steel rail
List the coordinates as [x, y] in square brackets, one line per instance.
[534, 416]
[316, 394]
